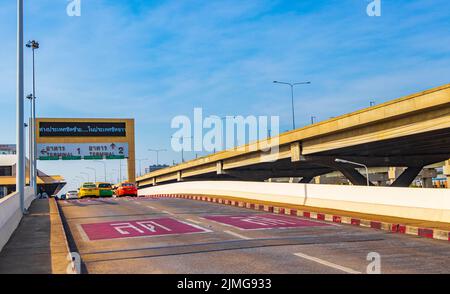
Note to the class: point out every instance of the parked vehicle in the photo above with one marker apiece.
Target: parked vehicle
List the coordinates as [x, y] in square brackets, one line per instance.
[126, 189]
[71, 195]
[88, 190]
[105, 189]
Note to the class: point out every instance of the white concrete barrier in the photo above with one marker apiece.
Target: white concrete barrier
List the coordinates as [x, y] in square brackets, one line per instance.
[413, 203]
[10, 214]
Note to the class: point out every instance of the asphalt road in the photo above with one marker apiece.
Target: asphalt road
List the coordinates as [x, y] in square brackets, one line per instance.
[143, 235]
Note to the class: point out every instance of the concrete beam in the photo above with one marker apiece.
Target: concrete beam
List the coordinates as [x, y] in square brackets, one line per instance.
[296, 151]
[219, 166]
[407, 177]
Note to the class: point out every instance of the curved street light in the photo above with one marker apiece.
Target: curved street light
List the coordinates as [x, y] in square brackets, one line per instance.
[157, 153]
[356, 163]
[292, 96]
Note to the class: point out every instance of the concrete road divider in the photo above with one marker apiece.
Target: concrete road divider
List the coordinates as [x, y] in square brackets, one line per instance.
[410, 203]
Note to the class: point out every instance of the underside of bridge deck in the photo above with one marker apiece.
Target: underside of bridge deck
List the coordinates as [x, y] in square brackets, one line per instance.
[413, 152]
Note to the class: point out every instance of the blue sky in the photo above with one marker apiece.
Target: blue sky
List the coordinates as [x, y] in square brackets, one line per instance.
[153, 60]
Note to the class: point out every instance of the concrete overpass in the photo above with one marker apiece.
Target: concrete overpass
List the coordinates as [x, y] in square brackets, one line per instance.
[411, 132]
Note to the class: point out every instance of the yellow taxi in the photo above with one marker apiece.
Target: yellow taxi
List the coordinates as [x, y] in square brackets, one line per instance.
[105, 189]
[88, 190]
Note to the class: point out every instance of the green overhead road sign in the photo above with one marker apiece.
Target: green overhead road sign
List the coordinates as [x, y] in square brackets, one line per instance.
[115, 157]
[71, 158]
[49, 158]
[93, 157]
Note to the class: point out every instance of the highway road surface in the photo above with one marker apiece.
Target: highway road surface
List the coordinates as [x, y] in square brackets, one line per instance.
[179, 236]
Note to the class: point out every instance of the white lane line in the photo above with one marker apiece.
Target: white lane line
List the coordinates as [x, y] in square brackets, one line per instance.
[237, 235]
[152, 207]
[193, 221]
[327, 263]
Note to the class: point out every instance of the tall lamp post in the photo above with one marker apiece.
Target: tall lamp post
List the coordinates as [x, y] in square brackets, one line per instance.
[33, 167]
[104, 168]
[95, 173]
[292, 85]
[87, 176]
[140, 165]
[157, 153]
[182, 147]
[358, 164]
[20, 170]
[30, 141]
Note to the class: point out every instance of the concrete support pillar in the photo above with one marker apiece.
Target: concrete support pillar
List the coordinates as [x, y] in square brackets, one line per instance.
[394, 173]
[427, 177]
[446, 172]
[306, 180]
[354, 176]
[407, 177]
[219, 168]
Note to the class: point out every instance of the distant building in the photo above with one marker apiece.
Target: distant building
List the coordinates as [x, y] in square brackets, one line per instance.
[50, 184]
[154, 167]
[7, 149]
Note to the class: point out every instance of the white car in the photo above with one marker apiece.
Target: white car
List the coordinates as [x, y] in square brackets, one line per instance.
[72, 195]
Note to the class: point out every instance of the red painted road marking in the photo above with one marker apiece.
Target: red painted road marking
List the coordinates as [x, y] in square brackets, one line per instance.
[139, 228]
[262, 221]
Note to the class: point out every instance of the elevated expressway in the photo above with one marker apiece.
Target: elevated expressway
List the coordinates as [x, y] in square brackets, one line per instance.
[411, 132]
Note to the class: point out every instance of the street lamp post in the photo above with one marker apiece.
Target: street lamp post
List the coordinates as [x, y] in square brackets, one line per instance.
[30, 141]
[182, 147]
[140, 162]
[292, 97]
[33, 167]
[20, 152]
[356, 163]
[104, 168]
[87, 175]
[157, 153]
[95, 173]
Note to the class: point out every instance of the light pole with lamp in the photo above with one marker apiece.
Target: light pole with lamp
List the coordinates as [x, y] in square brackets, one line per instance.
[104, 168]
[95, 173]
[140, 166]
[292, 96]
[33, 45]
[30, 141]
[355, 163]
[157, 153]
[87, 176]
[182, 147]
